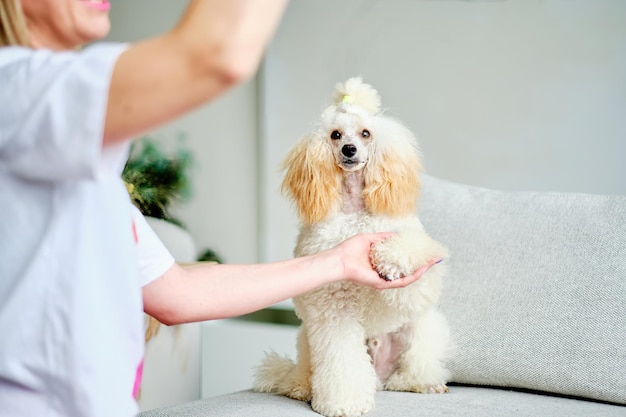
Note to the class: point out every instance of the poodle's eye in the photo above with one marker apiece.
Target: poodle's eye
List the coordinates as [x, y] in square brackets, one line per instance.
[335, 135]
[365, 133]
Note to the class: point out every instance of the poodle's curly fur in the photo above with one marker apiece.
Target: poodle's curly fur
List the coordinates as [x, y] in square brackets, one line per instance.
[358, 172]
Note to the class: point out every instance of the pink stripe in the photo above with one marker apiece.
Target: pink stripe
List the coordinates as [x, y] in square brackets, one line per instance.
[138, 375]
[135, 236]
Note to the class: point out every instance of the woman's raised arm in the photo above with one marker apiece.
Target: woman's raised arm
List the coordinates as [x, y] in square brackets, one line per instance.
[215, 45]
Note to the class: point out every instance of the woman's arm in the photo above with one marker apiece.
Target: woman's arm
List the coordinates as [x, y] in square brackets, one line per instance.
[215, 45]
[206, 292]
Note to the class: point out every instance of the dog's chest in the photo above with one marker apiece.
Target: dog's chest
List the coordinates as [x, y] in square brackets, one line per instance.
[335, 302]
[376, 311]
[327, 234]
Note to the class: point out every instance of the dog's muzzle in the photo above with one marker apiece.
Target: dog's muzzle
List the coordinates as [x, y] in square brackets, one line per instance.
[349, 159]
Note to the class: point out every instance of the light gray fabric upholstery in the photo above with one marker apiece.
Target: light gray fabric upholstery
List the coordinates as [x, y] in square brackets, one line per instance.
[536, 293]
[460, 402]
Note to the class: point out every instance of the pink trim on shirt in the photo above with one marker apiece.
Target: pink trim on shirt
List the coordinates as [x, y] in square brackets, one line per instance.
[138, 376]
[135, 236]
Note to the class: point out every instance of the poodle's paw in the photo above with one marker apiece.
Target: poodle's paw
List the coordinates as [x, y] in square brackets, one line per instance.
[386, 257]
[404, 253]
[387, 269]
[301, 392]
[390, 272]
[420, 388]
[433, 389]
[353, 408]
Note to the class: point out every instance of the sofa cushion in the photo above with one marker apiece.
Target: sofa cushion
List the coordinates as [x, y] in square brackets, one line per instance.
[460, 402]
[536, 291]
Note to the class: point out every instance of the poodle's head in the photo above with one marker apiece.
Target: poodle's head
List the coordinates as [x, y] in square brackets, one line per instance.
[354, 137]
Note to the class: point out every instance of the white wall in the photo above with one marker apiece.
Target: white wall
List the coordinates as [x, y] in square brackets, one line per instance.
[516, 95]
[222, 213]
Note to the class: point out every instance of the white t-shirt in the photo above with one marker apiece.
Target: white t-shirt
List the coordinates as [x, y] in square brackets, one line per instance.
[71, 322]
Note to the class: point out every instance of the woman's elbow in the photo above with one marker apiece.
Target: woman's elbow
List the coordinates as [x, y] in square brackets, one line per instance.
[230, 62]
[162, 297]
[232, 71]
[167, 316]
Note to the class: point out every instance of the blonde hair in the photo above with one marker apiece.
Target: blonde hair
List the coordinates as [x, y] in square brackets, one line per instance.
[13, 29]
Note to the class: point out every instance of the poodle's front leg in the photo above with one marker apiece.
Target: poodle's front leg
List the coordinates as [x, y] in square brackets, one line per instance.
[343, 380]
[422, 366]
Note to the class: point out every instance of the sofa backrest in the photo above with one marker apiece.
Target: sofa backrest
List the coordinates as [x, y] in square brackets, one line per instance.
[536, 291]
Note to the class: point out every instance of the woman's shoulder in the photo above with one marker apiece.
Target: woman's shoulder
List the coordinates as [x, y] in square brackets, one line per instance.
[30, 73]
[11, 56]
[17, 62]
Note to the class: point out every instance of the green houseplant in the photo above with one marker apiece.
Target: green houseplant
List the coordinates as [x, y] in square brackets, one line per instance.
[155, 178]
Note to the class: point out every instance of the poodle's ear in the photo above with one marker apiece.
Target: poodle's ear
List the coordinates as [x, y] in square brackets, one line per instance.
[312, 180]
[392, 182]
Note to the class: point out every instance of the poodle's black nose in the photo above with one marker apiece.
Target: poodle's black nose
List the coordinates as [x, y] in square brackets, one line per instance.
[348, 150]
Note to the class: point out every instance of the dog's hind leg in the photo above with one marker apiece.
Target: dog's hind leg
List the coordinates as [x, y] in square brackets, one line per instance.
[300, 379]
[422, 365]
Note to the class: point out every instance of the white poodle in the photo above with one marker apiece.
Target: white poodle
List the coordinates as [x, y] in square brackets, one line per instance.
[359, 172]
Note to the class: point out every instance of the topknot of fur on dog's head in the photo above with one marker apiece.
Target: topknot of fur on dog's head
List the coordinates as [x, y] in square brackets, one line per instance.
[355, 92]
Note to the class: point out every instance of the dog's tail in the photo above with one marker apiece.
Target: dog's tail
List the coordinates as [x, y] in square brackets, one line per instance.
[274, 375]
[355, 91]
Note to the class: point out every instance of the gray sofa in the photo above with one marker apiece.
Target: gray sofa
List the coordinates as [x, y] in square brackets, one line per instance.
[536, 300]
